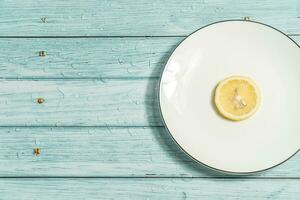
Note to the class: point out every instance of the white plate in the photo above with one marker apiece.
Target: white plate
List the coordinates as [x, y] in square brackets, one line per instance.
[208, 56]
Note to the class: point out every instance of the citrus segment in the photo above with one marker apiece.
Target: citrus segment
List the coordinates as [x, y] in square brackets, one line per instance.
[237, 98]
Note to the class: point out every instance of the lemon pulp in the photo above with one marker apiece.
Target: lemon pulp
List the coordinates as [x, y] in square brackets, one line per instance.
[237, 98]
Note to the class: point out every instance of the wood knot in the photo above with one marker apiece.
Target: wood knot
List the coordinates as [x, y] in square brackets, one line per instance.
[247, 18]
[40, 100]
[44, 19]
[37, 151]
[42, 53]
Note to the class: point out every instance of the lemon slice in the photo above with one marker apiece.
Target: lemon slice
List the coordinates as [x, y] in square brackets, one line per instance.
[237, 98]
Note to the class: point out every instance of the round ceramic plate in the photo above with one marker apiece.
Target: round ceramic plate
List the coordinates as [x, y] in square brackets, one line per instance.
[215, 52]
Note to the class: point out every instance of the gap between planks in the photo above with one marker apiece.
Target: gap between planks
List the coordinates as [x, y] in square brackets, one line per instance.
[83, 126]
[110, 36]
[76, 78]
[225, 177]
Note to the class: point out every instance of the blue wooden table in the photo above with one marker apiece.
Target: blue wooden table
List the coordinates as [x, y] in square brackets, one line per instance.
[79, 114]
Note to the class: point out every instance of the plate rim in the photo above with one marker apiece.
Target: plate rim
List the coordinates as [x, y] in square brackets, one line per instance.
[165, 124]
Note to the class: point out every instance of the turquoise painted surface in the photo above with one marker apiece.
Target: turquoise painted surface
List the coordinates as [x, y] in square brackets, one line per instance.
[149, 188]
[105, 152]
[99, 129]
[137, 18]
[87, 58]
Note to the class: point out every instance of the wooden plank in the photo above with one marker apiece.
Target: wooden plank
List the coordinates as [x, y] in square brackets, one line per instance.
[130, 18]
[80, 103]
[104, 152]
[28, 189]
[86, 58]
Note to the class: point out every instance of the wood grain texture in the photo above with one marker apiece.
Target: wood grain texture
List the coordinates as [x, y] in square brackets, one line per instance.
[99, 130]
[86, 58]
[131, 18]
[207, 189]
[104, 152]
[80, 103]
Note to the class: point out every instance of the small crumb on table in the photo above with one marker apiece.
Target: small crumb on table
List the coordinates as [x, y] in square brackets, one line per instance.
[37, 151]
